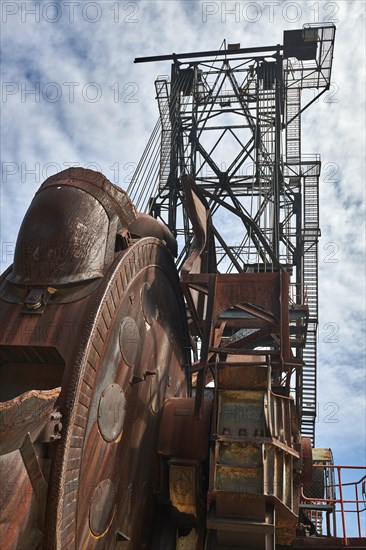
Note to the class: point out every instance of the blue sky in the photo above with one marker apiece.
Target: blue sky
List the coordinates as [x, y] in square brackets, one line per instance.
[71, 95]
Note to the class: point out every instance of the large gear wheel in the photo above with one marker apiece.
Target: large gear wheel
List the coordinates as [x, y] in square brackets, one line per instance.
[93, 341]
[131, 359]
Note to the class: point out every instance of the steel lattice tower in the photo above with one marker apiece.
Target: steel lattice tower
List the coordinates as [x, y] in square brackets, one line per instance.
[231, 119]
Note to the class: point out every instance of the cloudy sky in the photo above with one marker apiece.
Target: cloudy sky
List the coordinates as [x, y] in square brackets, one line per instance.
[71, 95]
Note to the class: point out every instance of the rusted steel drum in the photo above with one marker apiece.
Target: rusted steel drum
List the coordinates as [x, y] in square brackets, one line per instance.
[93, 338]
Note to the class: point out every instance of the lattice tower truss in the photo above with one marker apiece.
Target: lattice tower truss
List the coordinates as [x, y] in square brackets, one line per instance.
[231, 119]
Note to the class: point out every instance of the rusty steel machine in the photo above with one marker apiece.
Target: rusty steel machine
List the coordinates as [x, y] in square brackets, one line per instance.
[158, 347]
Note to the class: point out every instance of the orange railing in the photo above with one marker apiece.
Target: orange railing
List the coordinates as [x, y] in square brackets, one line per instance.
[343, 499]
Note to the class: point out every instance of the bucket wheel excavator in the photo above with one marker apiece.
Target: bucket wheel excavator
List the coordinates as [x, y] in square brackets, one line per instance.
[102, 444]
[145, 406]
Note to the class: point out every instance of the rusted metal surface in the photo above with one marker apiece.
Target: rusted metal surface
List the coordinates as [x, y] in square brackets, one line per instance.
[250, 371]
[253, 458]
[86, 374]
[184, 481]
[92, 455]
[183, 442]
[321, 455]
[53, 428]
[146, 226]
[307, 457]
[181, 433]
[255, 451]
[259, 295]
[69, 231]
[98, 430]
[201, 257]
[26, 413]
[129, 340]
[262, 296]
[102, 508]
[111, 412]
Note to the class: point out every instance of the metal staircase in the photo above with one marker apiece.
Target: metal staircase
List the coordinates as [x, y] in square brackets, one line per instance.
[293, 125]
[307, 172]
[162, 95]
[310, 242]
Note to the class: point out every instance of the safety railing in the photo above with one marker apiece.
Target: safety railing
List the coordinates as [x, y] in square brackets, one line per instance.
[298, 291]
[340, 497]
